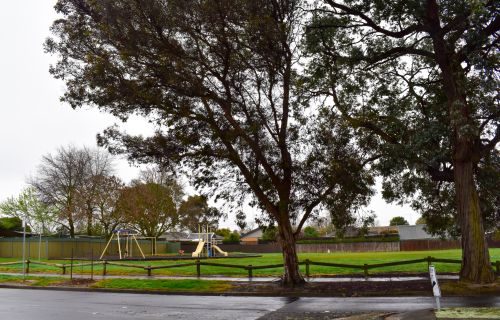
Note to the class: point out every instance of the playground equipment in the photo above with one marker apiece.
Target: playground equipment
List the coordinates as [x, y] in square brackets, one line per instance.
[129, 236]
[199, 249]
[207, 243]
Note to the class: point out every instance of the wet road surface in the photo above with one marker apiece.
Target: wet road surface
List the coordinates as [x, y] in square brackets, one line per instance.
[20, 304]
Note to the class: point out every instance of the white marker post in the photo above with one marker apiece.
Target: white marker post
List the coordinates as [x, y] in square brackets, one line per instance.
[435, 285]
[24, 255]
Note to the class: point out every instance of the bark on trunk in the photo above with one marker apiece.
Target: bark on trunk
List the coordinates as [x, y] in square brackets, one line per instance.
[476, 264]
[71, 228]
[291, 274]
[89, 222]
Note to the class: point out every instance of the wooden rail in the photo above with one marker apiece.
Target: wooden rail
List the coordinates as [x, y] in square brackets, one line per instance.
[197, 263]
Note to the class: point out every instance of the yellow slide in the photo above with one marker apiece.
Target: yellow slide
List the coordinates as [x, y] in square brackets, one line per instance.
[199, 248]
[224, 253]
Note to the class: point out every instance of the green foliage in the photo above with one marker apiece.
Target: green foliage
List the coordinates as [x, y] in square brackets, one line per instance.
[310, 232]
[39, 217]
[398, 221]
[222, 82]
[232, 238]
[395, 93]
[12, 224]
[241, 220]
[270, 233]
[421, 220]
[224, 232]
[148, 208]
[366, 222]
[496, 235]
[195, 212]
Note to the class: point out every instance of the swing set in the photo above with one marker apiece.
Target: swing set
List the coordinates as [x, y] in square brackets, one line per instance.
[129, 236]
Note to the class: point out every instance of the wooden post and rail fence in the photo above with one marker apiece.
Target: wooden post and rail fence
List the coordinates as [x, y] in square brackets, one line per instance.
[250, 268]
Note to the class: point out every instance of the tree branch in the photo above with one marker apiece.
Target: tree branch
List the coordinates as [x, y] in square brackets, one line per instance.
[395, 34]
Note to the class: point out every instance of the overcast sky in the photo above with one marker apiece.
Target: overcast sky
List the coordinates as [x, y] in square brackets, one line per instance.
[33, 121]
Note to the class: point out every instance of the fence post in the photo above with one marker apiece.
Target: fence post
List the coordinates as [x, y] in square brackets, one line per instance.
[250, 275]
[429, 261]
[365, 269]
[71, 267]
[92, 263]
[307, 268]
[104, 263]
[149, 270]
[198, 271]
[63, 269]
[27, 266]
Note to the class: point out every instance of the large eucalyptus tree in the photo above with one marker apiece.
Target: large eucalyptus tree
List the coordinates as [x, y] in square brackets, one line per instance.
[420, 80]
[219, 78]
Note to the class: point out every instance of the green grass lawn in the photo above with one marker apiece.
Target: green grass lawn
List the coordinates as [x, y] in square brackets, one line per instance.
[468, 313]
[164, 285]
[30, 280]
[186, 285]
[266, 259]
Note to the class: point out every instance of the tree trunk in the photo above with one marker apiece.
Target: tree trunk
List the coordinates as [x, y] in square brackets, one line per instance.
[89, 221]
[476, 265]
[71, 227]
[286, 239]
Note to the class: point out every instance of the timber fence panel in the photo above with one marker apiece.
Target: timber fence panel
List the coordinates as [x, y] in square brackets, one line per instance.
[396, 263]
[348, 247]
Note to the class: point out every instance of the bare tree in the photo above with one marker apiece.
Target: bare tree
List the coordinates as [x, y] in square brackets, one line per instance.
[158, 175]
[57, 181]
[106, 213]
[69, 181]
[98, 168]
[148, 208]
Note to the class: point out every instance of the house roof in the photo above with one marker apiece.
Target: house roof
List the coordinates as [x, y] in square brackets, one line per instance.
[414, 232]
[255, 233]
[174, 235]
[382, 229]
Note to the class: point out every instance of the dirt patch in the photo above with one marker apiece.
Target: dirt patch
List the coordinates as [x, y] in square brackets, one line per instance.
[340, 289]
[76, 283]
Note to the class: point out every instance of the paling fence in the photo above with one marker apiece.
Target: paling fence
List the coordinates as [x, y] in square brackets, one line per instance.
[198, 264]
[62, 248]
[53, 248]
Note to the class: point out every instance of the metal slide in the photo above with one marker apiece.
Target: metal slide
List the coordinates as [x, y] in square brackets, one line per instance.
[199, 248]
[224, 253]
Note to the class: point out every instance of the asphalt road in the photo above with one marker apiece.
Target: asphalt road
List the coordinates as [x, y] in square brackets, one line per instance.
[24, 304]
[20, 304]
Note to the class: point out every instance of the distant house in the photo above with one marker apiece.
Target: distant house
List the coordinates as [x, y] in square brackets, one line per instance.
[416, 232]
[174, 236]
[378, 231]
[353, 232]
[349, 232]
[185, 236]
[251, 237]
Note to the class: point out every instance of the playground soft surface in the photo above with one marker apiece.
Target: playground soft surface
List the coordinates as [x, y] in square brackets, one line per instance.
[269, 259]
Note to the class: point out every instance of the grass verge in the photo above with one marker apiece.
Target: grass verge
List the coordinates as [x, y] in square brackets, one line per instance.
[460, 288]
[30, 280]
[468, 313]
[188, 285]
